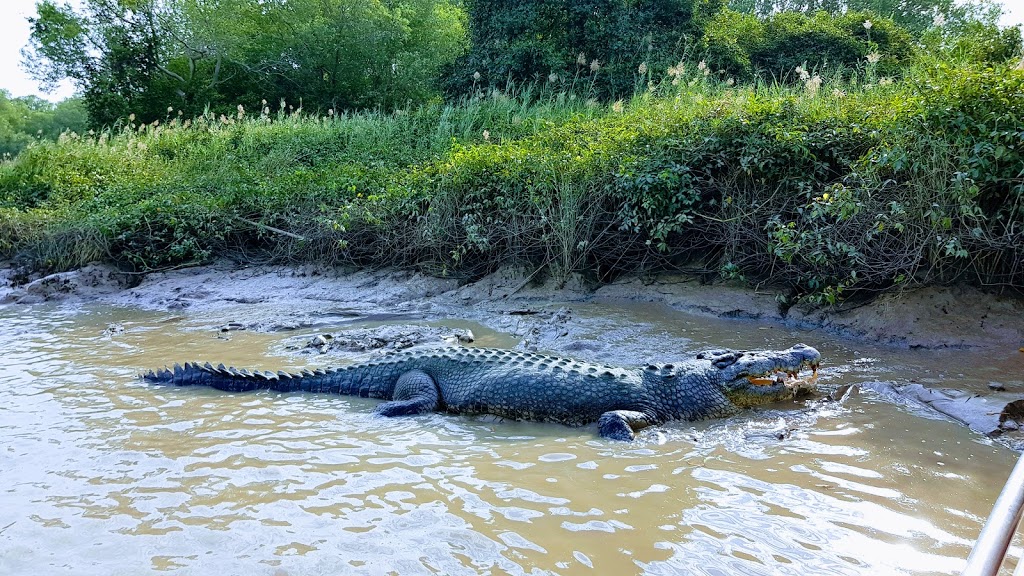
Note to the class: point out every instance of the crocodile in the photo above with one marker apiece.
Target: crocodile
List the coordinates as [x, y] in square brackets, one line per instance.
[528, 386]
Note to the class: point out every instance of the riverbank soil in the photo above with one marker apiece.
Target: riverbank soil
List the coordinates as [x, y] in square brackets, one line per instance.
[927, 318]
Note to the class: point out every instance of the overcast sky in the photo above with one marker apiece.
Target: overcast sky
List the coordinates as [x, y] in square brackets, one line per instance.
[14, 33]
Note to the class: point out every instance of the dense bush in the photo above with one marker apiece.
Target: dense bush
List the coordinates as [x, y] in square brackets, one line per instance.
[972, 42]
[825, 190]
[730, 39]
[589, 46]
[914, 16]
[741, 44]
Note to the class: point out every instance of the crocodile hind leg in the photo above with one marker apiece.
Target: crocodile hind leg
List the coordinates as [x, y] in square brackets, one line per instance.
[622, 424]
[415, 393]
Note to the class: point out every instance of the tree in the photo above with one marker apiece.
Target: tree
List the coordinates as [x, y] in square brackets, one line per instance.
[25, 119]
[916, 16]
[334, 53]
[143, 57]
[114, 53]
[598, 44]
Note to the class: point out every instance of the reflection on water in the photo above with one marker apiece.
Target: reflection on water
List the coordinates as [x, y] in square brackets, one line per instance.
[102, 474]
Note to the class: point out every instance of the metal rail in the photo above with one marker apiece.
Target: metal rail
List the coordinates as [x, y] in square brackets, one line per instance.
[994, 540]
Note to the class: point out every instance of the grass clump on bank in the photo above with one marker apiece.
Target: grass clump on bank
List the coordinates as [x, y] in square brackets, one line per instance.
[825, 187]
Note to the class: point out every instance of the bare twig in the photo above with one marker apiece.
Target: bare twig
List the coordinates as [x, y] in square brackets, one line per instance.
[271, 229]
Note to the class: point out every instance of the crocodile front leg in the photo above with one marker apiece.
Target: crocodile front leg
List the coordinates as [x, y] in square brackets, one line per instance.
[622, 424]
[415, 393]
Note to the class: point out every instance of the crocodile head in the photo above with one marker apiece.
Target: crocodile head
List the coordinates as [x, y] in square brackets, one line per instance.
[762, 376]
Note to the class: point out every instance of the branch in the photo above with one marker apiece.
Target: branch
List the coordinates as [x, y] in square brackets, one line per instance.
[172, 74]
[216, 72]
[271, 229]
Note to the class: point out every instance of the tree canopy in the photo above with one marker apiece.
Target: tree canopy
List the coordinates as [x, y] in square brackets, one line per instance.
[27, 118]
[152, 57]
[595, 43]
[148, 60]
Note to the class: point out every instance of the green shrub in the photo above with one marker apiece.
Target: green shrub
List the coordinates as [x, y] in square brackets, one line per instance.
[729, 40]
[792, 39]
[822, 189]
[893, 44]
[973, 43]
[742, 45]
[938, 199]
[593, 47]
[822, 41]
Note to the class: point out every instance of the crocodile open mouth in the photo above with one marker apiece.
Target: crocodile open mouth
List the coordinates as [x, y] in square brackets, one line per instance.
[789, 378]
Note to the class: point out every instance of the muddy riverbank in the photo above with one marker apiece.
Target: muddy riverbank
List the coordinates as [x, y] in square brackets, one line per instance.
[932, 318]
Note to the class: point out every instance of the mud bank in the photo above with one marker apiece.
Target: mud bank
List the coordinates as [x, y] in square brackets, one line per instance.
[279, 297]
[927, 318]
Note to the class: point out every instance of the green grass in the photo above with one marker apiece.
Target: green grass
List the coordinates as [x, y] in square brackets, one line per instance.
[823, 189]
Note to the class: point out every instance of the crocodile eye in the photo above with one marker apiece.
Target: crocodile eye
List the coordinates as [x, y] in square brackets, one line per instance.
[726, 360]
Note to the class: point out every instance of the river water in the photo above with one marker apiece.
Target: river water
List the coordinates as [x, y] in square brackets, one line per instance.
[103, 474]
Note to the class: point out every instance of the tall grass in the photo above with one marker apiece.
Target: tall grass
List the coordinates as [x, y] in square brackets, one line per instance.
[823, 186]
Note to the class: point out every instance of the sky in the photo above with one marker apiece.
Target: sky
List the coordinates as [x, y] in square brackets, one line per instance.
[14, 32]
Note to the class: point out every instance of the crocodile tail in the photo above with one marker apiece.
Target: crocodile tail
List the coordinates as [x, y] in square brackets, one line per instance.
[347, 381]
[228, 379]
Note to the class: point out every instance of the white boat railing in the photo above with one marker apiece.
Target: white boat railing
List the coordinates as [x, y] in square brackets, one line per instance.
[994, 541]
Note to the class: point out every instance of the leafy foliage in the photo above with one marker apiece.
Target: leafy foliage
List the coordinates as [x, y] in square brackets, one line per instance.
[972, 42]
[591, 46]
[914, 16]
[741, 44]
[827, 191]
[27, 119]
[149, 58]
[865, 162]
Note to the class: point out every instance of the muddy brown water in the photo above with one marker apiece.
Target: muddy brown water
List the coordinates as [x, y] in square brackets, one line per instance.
[103, 474]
